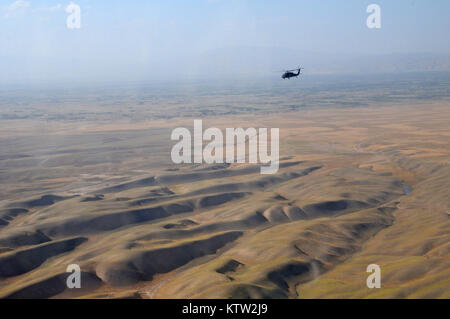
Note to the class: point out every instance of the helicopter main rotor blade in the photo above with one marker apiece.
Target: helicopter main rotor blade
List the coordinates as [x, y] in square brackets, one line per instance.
[299, 68]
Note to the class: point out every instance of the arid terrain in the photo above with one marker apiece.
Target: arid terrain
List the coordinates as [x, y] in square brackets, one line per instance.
[364, 179]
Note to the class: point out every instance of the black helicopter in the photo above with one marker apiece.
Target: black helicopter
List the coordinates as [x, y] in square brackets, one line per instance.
[291, 73]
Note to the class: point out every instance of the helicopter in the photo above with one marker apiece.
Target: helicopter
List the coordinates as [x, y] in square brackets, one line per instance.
[291, 73]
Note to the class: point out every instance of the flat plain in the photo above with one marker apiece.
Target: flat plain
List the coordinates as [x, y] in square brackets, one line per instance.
[86, 178]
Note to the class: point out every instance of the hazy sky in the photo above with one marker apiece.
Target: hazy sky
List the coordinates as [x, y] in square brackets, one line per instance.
[138, 39]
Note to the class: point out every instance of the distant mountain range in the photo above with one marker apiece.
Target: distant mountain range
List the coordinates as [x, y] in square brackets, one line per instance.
[230, 62]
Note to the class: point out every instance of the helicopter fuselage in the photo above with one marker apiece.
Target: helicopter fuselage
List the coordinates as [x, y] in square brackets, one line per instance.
[290, 74]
